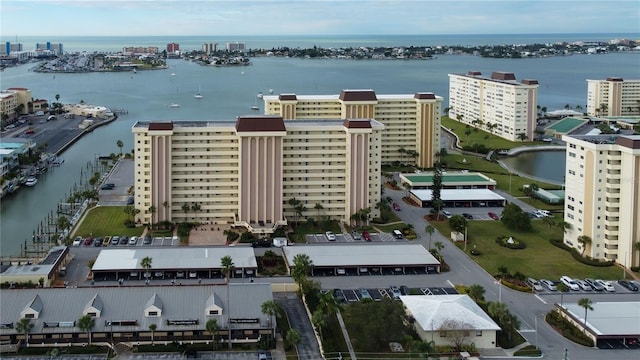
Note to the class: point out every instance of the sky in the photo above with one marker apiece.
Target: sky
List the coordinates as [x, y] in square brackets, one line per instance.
[315, 17]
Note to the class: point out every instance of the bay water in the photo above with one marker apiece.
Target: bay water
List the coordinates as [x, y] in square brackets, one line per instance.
[231, 91]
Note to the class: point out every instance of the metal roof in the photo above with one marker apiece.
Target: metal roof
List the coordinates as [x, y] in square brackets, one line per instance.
[459, 195]
[609, 318]
[174, 258]
[129, 303]
[334, 255]
[431, 312]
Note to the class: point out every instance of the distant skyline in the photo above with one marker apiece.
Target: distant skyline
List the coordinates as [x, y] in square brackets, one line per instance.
[53, 18]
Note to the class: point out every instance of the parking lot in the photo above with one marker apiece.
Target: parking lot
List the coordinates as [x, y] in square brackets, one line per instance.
[377, 294]
[348, 238]
[127, 242]
[618, 289]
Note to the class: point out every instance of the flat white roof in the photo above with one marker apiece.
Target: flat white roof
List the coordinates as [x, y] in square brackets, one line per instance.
[432, 312]
[334, 255]
[610, 318]
[174, 258]
[459, 195]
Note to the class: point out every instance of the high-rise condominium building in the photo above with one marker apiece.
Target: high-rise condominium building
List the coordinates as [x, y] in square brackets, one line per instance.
[499, 103]
[602, 197]
[613, 97]
[256, 172]
[173, 47]
[411, 121]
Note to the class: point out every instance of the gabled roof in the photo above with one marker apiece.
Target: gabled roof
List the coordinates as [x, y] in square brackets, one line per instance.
[213, 303]
[154, 301]
[431, 312]
[34, 305]
[95, 303]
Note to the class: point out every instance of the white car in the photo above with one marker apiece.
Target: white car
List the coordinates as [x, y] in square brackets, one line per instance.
[549, 284]
[584, 286]
[330, 236]
[544, 213]
[570, 283]
[446, 214]
[606, 285]
[77, 241]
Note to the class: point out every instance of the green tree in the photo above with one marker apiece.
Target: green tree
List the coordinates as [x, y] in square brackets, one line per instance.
[227, 266]
[212, 328]
[503, 271]
[562, 288]
[585, 241]
[587, 305]
[152, 210]
[402, 151]
[515, 219]
[292, 338]
[439, 245]
[436, 190]
[522, 136]
[457, 331]
[383, 321]
[86, 323]
[57, 97]
[458, 223]
[152, 328]
[146, 265]
[320, 320]
[186, 208]
[429, 230]
[24, 326]
[319, 208]
[63, 222]
[295, 203]
[120, 144]
[302, 266]
[270, 308]
[476, 292]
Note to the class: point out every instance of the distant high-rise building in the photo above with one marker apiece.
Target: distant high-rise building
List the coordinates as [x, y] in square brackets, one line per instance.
[209, 48]
[602, 197]
[9, 47]
[56, 49]
[173, 47]
[140, 50]
[499, 104]
[236, 46]
[613, 97]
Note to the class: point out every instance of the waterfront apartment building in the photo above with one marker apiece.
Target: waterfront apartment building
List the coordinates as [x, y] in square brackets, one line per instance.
[11, 48]
[602, 196]
[499, 103]
[255, 171]
[209, 48]
[411, 121]
[236, 46]
[173, 47]
[140, 49]
[56, 49]
[613, 97]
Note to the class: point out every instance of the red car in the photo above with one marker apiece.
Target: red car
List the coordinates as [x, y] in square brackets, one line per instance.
[88, 241]
[366, 236]
[396, 207]
[494, 216]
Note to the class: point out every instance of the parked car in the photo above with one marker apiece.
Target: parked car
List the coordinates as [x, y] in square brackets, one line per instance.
[364, 294]
[584, 286]
[629, 285]
[107, 186]
[98, 242]
[133, 240]
[570, 283]
[534, 284]
[330, 236]
[77, 241]
[549, 284]
[262, 355]
[396, 207]
[404, 290]
[395, 292]
[467, 216]
[356, 235]
[147, 240]
[338, 294]
[447, 214]
[596, 286]
[366, 236]
[88, 241]
[261, 243]
[494, 216]
[115, 240]
[124, 240]
[606, 285]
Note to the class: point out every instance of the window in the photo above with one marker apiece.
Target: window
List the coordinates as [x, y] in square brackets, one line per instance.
[478, 332]
[214, 312]
[29, 316]
[153, 313]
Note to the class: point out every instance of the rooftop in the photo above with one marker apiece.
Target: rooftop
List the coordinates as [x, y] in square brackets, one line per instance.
[459, 195]
[610, 318]
[449, 178]
[431, 312]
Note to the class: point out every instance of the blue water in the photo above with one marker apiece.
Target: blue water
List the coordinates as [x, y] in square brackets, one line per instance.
[230, 91]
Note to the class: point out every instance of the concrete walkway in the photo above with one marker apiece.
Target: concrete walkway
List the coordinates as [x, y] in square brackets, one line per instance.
[345, 333]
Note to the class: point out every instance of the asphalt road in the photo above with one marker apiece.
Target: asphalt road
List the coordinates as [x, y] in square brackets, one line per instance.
[308, 348]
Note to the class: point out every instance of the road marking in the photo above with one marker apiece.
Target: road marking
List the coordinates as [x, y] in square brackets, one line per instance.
[539, 298]
[527, 330]
[450, 283]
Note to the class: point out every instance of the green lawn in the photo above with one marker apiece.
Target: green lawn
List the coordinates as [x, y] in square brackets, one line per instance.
[539, 259]
[106, 221]
[480, 136]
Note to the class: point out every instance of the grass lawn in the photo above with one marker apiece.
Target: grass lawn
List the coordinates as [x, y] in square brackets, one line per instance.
[107, 221]
[539, 259]
[481, 136]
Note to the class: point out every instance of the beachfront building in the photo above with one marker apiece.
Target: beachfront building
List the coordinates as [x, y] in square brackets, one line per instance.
[257, 171]
[499, 104]
[411, 121]
[602, 198]
[613, 97]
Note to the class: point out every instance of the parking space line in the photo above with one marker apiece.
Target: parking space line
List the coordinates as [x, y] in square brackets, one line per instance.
[539, 298]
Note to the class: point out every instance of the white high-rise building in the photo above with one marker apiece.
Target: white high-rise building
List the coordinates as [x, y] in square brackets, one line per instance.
[602, 196]
[498, 104]
[613, 97]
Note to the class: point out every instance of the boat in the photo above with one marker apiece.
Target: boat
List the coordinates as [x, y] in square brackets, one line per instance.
[174, 105]
[198, 95]
[259, 96]
[255, 107]
[57, 161]
[31, 181]
[270, 91]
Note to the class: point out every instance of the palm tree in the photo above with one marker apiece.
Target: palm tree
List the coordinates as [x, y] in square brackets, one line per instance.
[152, 211]
[584, 240]
[522, 136]
[636, 245]
[476, 292]
[63, 222]
[292, 338]
[402, 151]
[429, 230]
[302, 266]
[87, 323]
[146, 264]
[319, 207]
[439, 245]
[227, 266]
[212, 327]
[586, 304]
[319, 320]
[186, 208]
[270, 308]
[196, 208]
[57, 97]
[152, 328]
[120, 144]
[24, 326]
[562, 288]
[459, 117]
[294, 204]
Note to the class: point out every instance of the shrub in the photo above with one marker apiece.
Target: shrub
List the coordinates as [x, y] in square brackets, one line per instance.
[567, 329]
[517, 244]
[576, 255]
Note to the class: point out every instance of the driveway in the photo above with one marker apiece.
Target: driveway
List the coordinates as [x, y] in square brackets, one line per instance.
[308, 348]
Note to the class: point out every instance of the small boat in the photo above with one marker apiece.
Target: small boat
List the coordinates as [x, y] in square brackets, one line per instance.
[255, 107]
[198, 95]
[174, 105]
[259, 96]
[31, 181]
[270, 91]
[57, 161]
[134, 70]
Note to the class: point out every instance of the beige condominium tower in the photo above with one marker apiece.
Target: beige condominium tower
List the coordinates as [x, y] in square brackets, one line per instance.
[411, 121]
[250, 172]
[602, 197]
[613, 97]
[499, 104]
